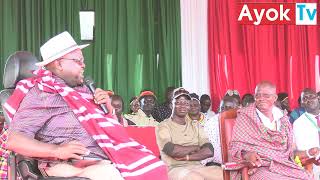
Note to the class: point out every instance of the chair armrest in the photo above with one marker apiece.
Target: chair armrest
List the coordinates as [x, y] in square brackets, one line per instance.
[308, 163]
[244, 173]
[12, 170]
[28, 168]
[233, 166]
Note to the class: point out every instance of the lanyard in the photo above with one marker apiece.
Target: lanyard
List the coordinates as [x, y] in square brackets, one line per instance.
[313, 123]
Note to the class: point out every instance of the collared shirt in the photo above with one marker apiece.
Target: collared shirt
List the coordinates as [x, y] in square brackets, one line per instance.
[305, 132]
[202, 119]
[306, 135]
[48, 118]
[188, 134]
[276, 123]
[141, 119]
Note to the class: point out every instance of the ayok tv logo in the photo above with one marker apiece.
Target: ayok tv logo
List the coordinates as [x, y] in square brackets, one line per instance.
[278, 13]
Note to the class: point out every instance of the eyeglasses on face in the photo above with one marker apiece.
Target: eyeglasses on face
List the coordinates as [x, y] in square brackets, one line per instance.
[78, 61]
[309, 97]
[182, 103]
[262, 95]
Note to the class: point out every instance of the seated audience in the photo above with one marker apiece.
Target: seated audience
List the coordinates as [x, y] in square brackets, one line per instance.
[306, 128]
[194, 112]
[183, 144]
[58, 120]
[211, 127]
[164, 111]
[262, 136]
[247, 99]
[117, 104]
[296, 113]
[143, 117]
[205, 103]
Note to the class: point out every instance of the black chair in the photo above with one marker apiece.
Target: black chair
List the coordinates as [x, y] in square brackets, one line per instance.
[19, 66]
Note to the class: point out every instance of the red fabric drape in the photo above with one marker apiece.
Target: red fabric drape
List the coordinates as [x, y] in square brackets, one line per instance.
[240, 56]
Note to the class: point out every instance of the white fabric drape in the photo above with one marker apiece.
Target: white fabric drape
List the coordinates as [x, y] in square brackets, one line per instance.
[194, 46]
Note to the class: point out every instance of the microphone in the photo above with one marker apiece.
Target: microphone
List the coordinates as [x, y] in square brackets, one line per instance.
[90, 84]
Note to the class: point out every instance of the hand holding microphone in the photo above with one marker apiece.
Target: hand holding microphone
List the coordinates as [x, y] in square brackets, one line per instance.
[101, 97]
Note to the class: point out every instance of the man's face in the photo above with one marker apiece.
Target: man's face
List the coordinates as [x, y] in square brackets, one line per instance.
[227, 105]
[205, 105]
[265, 98]
[148, 103]
[117, 105]
[194, 107]
[182, 106]
[310, 100]
[73, 68]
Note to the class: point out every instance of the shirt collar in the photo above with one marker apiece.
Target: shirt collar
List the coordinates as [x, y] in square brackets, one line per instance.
[277, 115]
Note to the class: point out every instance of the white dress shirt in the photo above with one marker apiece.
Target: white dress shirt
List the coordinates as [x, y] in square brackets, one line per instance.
[306, 135]
[276, 123]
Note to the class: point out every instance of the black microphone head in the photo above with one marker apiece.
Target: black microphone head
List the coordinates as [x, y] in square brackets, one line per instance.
[88, 81]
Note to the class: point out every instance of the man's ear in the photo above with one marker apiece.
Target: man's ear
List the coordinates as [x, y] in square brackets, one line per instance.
[275, 98]
[58, 65]
[54, 66]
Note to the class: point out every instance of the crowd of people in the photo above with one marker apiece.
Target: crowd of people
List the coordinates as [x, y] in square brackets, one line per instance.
[52, 115]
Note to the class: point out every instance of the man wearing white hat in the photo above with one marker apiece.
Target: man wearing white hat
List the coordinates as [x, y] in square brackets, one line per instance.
[57, 134]
[55, 115]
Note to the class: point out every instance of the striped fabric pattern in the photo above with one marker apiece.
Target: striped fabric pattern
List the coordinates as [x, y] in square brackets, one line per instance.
[133, 160]
[4, 154]
[274, 147]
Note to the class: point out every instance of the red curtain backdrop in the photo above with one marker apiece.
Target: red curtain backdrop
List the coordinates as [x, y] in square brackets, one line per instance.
[240, 56]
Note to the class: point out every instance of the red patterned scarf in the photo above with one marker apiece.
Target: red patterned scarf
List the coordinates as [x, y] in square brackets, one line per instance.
[274, 147]
[133, 160]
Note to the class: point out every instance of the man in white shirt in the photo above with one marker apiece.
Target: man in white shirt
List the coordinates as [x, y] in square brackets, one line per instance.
[205, 103]
[306, 127]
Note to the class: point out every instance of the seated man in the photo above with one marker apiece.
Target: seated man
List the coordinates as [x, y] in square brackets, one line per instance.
[144, 117]
[306, 127]
[195, 113]
[183, 145]
[205, 102]
[54, 118]
[262, 136]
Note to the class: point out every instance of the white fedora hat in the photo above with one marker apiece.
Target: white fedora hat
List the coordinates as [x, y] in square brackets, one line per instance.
[57, 47]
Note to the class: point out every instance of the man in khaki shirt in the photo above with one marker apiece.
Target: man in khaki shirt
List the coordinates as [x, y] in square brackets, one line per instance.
[143, 117]
[183, 144]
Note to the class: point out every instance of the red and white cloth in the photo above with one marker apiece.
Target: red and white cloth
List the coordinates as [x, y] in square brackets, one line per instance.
[133, 160]
[274, 147]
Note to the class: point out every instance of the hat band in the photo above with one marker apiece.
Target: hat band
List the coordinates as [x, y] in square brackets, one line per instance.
[63, 51]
